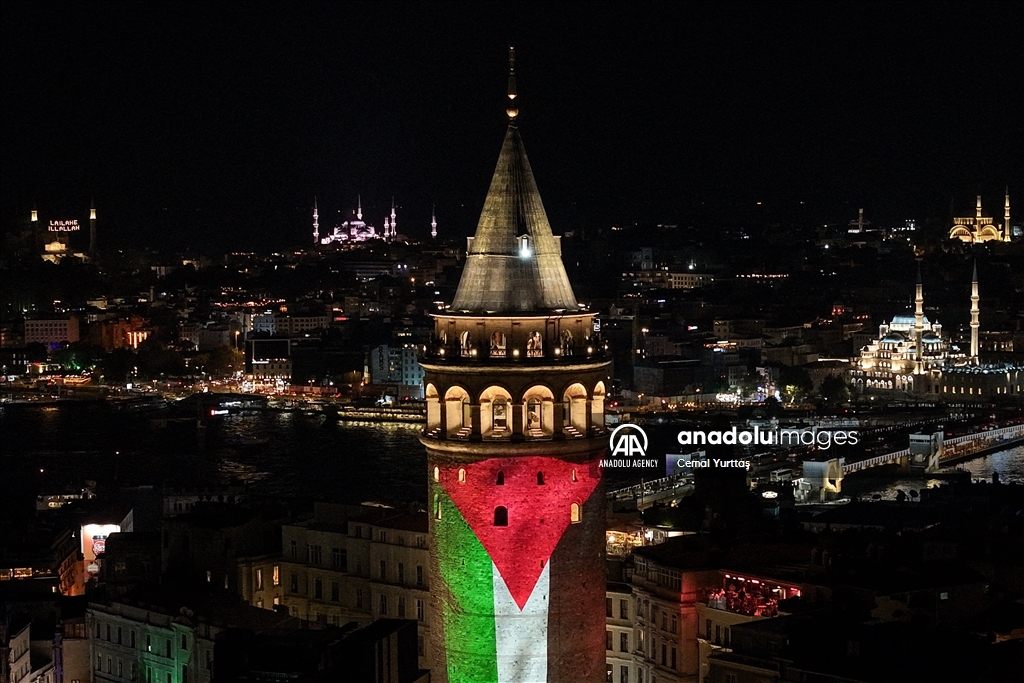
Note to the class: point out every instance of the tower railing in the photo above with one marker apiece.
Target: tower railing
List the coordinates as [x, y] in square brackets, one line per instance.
[453, 353]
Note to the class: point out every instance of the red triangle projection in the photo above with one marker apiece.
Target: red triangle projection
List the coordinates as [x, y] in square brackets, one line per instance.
[538, 514]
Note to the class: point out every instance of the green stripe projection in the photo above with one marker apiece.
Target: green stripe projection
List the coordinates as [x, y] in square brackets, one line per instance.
[468, 603]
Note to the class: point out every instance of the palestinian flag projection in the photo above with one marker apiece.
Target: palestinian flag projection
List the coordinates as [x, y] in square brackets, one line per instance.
[500, 523]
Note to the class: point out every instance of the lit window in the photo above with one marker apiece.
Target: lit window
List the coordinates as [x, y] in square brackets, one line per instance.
[500, 516]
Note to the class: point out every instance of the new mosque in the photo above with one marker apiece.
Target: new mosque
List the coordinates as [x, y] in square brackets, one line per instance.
[911, 358]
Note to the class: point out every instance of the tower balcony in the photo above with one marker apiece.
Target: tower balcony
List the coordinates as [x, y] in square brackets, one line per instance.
[503, 407]
[594, 349]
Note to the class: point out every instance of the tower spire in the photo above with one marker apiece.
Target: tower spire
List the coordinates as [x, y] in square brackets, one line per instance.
[512, 110]
[514, 262]
[359, 207]
[978, 208]
[433, 221]
[975, 310]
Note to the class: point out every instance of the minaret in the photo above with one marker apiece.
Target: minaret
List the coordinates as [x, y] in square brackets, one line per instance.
[1006, 216]
[359, 207]
[978, 209]
[918, 324]
[393, 232]
[975, 325]
[433, 221]
[515, 383]
[92, 227]
[316, 224]
[860, 220]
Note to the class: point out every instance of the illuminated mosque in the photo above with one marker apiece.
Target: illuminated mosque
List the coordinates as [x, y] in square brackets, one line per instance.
[59, 236]
[911, 358]
[355, 229]
[910, 352]
[979, 228]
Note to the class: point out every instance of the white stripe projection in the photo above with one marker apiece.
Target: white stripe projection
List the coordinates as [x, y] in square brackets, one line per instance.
[522, 635]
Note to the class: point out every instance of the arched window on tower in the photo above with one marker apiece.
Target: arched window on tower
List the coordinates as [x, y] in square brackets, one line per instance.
[437, 506]
[500, 481]
[534, 345]
[540, 479]
[534, 421]
[574, 475]
[495, 413]
[497, 345]
[575, 513]
[501, 516]
[433, 410]
[466, 343]
[457, 411]
[462, 475]
[437, 474]
[539, 416]
[499, 416]
[597, 407]
[574, 410]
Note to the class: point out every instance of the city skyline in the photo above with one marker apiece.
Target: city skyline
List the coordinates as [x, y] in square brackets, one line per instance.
[216, 129]
[689, 434]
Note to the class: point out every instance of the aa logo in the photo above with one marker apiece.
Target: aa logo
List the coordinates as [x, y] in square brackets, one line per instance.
[628, 440]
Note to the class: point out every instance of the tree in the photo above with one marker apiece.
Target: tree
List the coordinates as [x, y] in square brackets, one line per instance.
[834, 390]
[795, 383]
[748, 384]
[78, 356]
[36, 352]
[772, 407]
[117, 364]
[220, 361]
[156, 360]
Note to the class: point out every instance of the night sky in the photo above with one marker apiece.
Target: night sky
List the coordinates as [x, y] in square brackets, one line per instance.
[213, 125]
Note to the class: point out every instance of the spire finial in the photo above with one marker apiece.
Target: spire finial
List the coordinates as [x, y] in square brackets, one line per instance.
[918, 272]
[974, 278]
[512, 110]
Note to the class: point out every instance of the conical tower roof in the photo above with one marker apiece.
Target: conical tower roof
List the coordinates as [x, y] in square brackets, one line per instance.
[514, 263]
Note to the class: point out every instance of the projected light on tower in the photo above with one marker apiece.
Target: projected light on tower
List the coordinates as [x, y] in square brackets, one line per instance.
[515, 385]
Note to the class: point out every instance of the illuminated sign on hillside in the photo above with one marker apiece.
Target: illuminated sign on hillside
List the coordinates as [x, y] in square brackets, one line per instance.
[64, 226]
[94, 539]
